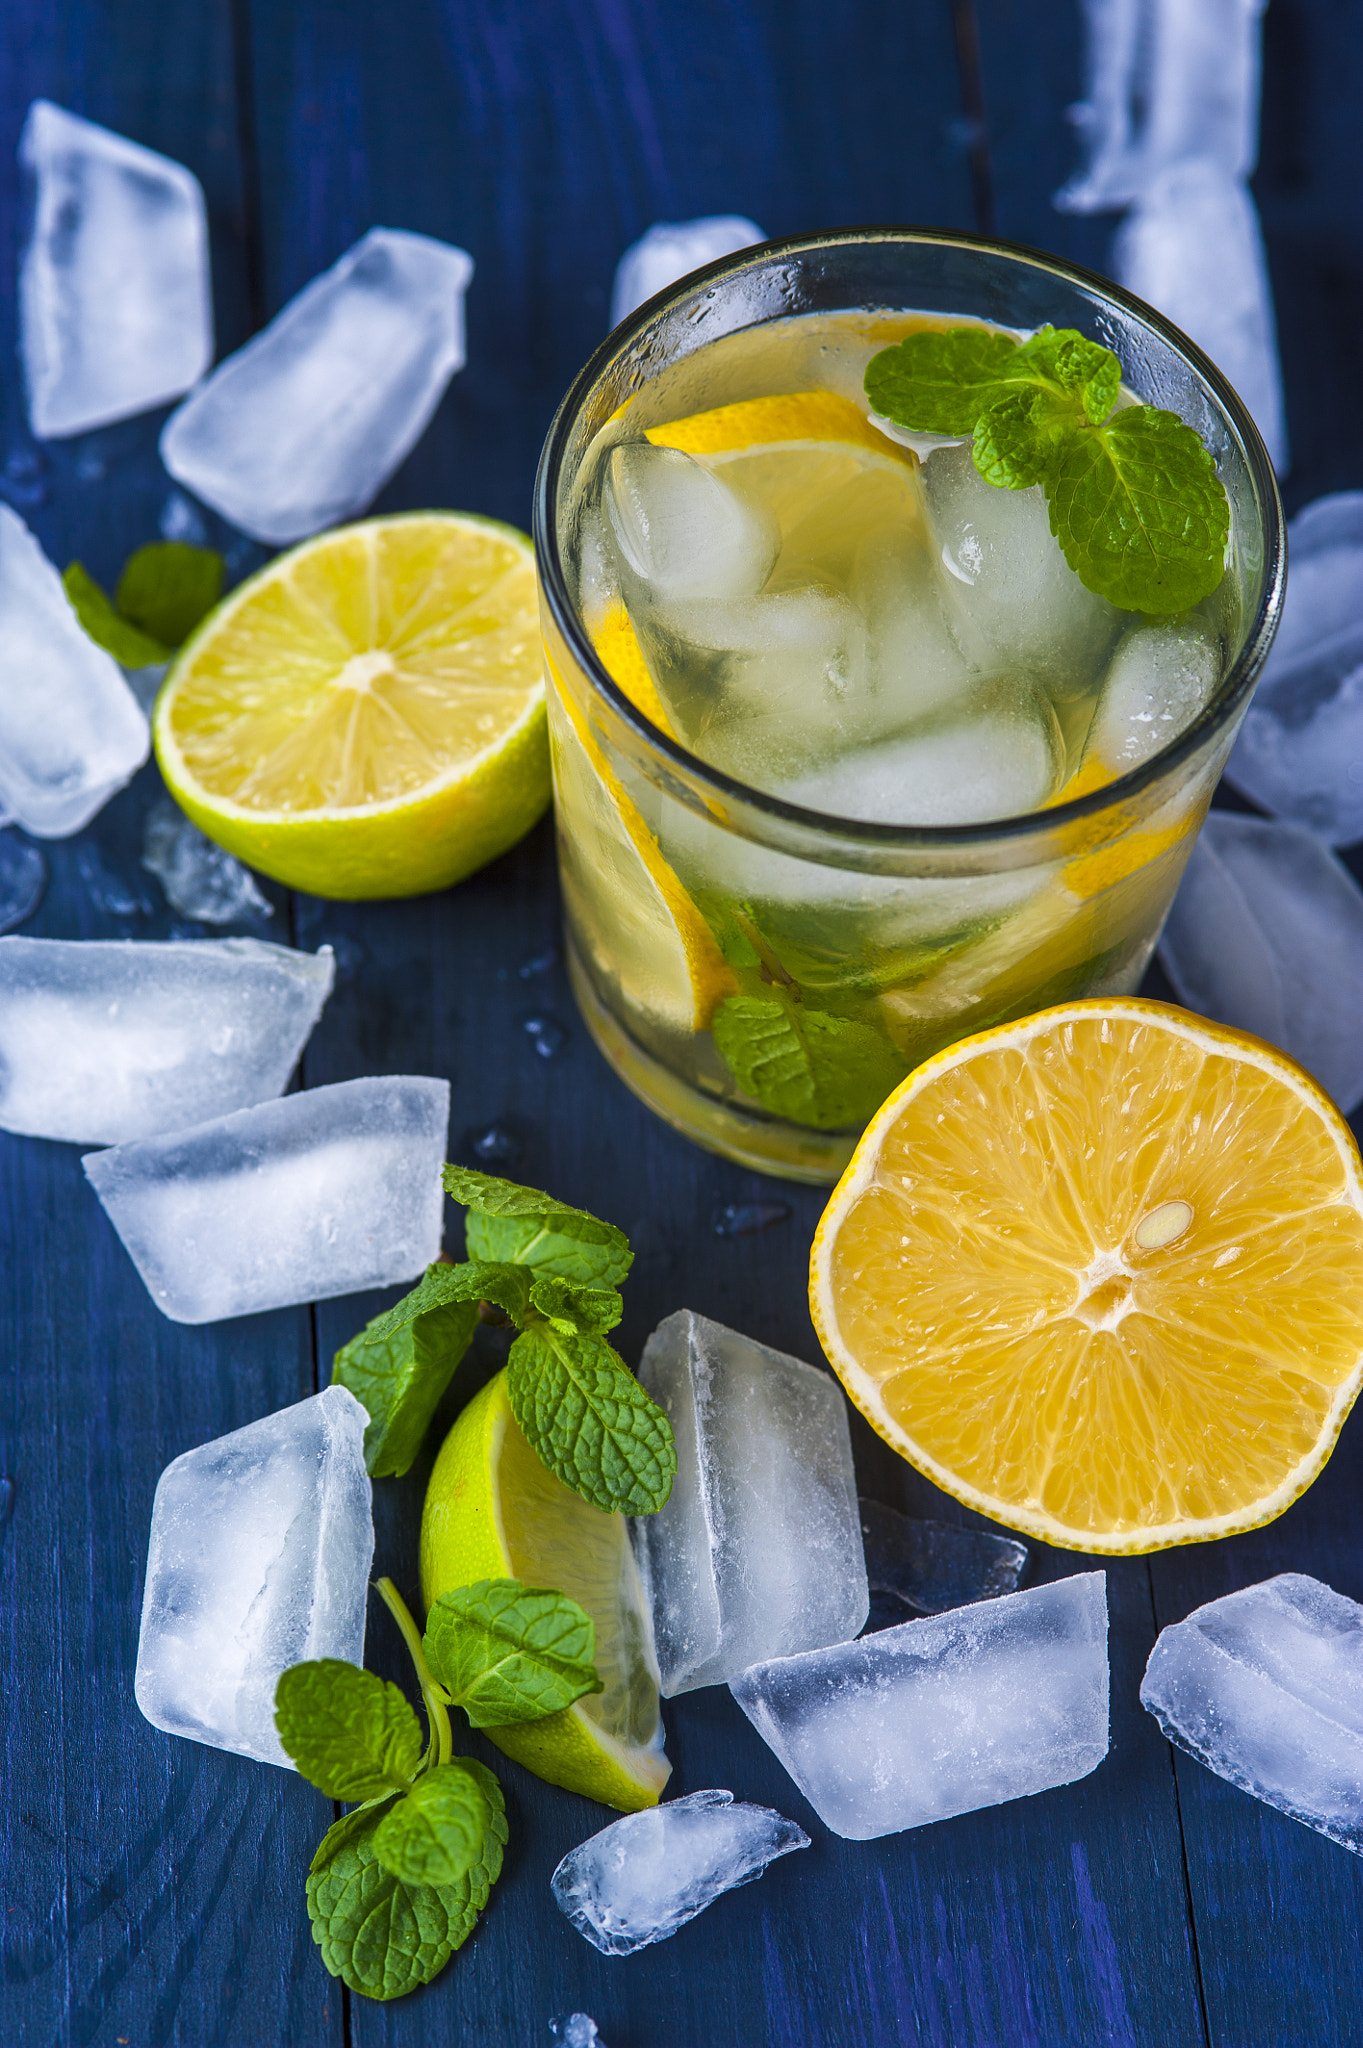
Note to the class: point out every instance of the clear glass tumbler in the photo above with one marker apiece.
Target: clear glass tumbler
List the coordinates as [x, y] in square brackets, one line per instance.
[761, 974]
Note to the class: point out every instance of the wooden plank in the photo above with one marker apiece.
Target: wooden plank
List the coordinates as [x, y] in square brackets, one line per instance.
[151, 1886]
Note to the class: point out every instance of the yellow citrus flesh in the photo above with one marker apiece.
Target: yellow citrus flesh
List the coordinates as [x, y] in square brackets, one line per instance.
[366, 716]
[494, 1511]
[1099, 1274]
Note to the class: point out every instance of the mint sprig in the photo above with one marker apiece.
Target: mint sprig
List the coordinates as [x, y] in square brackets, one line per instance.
[552, 1271]
[506, 1652]
[1135, 502]
[397, 1885]
[165, 589]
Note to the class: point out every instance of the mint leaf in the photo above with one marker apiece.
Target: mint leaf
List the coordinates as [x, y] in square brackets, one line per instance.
[381, 1936]
[351, 1735]
[167, 587]
[401, 1363]
[1019, 438]
[590, 1421]
[938, 383]
[507, 1652]
[591, 1311]
[521, 1225]
[435, 1835]
[807, 1065]
[126, 642]
[1064, 357]
[1140, 512]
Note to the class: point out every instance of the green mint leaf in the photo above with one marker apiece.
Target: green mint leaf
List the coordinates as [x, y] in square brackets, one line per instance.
[590, 1421]
[1064, 357]
[1140, 513]
[401, 1363]
[167, 587]
[1020, 437]
[351, 1735]
[521, 1225]
[126, 642]
[938, 383]
[591, 1311]
[383, 1937]
[435, 1835]
[807, 1065]
[507, 1652]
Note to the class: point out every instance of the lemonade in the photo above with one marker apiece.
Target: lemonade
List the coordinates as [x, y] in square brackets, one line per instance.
[864, 680]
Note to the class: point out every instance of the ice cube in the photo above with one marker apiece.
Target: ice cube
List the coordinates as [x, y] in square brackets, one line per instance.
[259, 1556]
[1266, 933]
[1157, 682]
[1265, 1687]
[576, 2030]
[200, 879]
[300, 427]
[23, 877]
[997, 765]
[317, 1194]
[1193, 248]
[681, 530]
[102, 1041]
[757, 1551]
[1166, 79]
[944, 1715]
[932, 1566]
[1012, 600]
[71, 732]
[672, 249]
[915, 664]
[115, 305]
[645, 1876]
[1300, 749]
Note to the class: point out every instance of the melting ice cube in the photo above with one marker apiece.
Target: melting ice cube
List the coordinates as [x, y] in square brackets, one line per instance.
[645, 1876]
[943, 1715]
[259, 1556]
[115, 307]
[317, 1194]
[1266, 933]
[682, 531]
[71, 732]
[1265, 1687]
[995, 765]
[1157, 682]
[672, 249]
[933, 1566]
[200, 879]
[757, 1551]
[106, 1040]
[300, 427]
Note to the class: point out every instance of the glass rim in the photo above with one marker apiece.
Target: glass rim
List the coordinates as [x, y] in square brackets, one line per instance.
[1236, 685]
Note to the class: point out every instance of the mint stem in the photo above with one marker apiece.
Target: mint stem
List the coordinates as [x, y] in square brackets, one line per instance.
[433, 1694]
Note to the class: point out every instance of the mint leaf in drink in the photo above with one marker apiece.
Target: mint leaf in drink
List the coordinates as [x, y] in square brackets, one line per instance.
[590, 1421]
[167, 587]
[351, 1735]
[938, 382]
[807, 1065]
[506, 1652]
[1135, 501]
[1140, 512]
[402, 1361]
[591, 1311]
[521, 1225]
[436, 1835]
[126, 642]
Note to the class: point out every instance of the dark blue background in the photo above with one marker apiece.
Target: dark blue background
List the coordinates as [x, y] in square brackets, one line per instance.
[152, 1889]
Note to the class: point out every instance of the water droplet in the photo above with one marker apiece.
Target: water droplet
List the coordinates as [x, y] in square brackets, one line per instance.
[744, 1219]
[180, 521]
[6, 1500]
[540, 964]
[23, 877]
[90, 469]
[106, 890]
[546, 1034]
[22, 482]
[496, 1146]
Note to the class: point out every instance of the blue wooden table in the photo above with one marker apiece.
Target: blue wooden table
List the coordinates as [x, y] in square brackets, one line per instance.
[152, 1888]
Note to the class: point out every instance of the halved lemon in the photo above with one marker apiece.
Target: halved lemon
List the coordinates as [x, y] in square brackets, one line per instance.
[1099, 1274]
[494, 1511]
[366, 716]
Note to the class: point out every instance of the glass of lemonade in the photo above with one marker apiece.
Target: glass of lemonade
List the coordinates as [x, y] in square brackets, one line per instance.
[848, 761]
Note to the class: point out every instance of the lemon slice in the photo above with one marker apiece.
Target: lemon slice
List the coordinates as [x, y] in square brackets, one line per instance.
[494, 1511]
[1099, 1274]
[366, 716]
